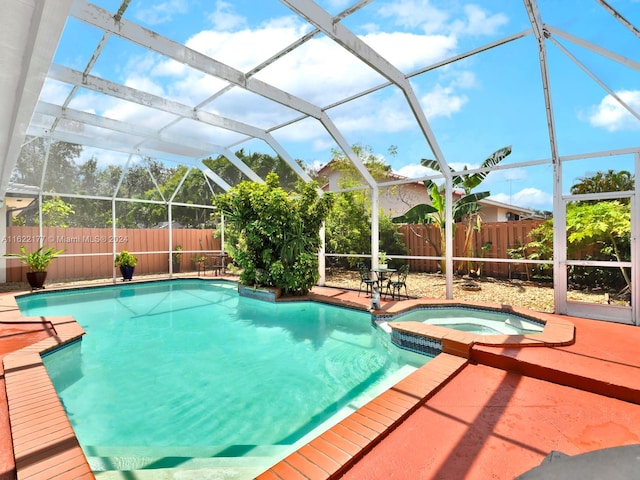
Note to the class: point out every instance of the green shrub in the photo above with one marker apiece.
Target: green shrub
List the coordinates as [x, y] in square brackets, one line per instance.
[275, 236]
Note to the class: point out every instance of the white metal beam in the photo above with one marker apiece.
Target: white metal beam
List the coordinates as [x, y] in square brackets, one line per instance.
[132, 32]
[273, 143]
[595, 78]
[106, 87]
[559, 211]
[635, 246]
[85, 118]
[627, 62]
[114, 145]
[123, 28]
[216, 178]
[318, 17]
[321, 19]
[179, 142]
[28, 40]
[540, 32]
[420, 71]
[619, 17]
[123, 92]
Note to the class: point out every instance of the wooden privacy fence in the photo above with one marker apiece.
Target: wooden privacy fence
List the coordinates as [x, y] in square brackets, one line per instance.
[501, 235]
[97, 245]
[88, 251]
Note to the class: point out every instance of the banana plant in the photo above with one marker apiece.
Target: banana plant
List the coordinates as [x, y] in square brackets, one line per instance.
[464, 208]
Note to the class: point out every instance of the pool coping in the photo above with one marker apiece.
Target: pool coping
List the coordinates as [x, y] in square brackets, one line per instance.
[334, 452]
[557, 331]
[45, 444]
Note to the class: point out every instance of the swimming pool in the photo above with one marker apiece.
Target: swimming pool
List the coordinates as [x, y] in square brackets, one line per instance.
[472, 320]
[188, 374]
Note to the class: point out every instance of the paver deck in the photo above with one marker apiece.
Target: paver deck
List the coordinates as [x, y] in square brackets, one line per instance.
[459, 416]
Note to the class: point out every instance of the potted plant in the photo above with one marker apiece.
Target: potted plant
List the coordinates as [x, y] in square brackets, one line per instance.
[127, 263]
[176, 258]
[382, 260]
[37, 261]
[199, 261]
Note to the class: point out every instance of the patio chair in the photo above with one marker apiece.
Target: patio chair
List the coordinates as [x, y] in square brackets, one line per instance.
[216, 263]
[365, 279]
[395, 285]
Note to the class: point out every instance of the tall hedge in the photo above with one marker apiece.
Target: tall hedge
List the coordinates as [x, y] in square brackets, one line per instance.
[275, 236]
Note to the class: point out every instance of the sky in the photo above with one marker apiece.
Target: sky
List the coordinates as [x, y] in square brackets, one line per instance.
[473, 106]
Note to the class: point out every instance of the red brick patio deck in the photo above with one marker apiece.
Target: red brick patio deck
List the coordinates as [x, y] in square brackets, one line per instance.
[493, 415]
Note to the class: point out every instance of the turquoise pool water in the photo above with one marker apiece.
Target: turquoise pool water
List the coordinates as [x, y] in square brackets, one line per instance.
[186, 369]
[473, 320]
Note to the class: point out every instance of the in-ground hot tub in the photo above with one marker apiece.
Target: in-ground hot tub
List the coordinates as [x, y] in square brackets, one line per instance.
[473, 320]
[431, 329]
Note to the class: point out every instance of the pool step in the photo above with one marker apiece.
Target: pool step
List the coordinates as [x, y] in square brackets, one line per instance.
[171, 466]
[218, 473]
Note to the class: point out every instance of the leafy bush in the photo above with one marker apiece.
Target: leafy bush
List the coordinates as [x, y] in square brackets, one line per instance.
[602, 229]
[38, 260]
[275, 236]
[126, 259]
[348, 230]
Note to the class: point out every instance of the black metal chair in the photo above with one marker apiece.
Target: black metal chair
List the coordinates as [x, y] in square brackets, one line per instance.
[365, 278]
[400, 281]
[217, 263]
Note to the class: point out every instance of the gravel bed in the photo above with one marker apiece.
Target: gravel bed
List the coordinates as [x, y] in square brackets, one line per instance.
[532, 295]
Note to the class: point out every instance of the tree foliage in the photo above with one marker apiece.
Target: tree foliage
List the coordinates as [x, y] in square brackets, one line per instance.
[605, 224]
[348, 226]
[55, 212]
[601, 228]
[349, 175]
[600, 182]
[61, 168]
[274, 235]
[261, 163]
[149, 179]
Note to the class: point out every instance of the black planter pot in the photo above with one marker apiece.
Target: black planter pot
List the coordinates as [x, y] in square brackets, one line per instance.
[36, 279]
[127, 272]
[176, 267]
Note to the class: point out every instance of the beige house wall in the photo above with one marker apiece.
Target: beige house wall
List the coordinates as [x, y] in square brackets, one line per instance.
[398, 199]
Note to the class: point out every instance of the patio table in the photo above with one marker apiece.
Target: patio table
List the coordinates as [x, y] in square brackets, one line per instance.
[381, 275]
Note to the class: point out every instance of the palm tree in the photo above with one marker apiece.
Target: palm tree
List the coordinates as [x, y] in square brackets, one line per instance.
[464, 208]
[609, 181]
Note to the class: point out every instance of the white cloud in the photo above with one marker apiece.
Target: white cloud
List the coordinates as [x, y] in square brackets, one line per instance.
[612, 116]
[224, 18]
[409, 51]
[54, 91]
[500, 176]
[479, 22]
[414, 171]
[421, 14]
[246, 48]
[527, 197]
[416, 13]
[442, 101]
[145, 84]
[162, 12]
